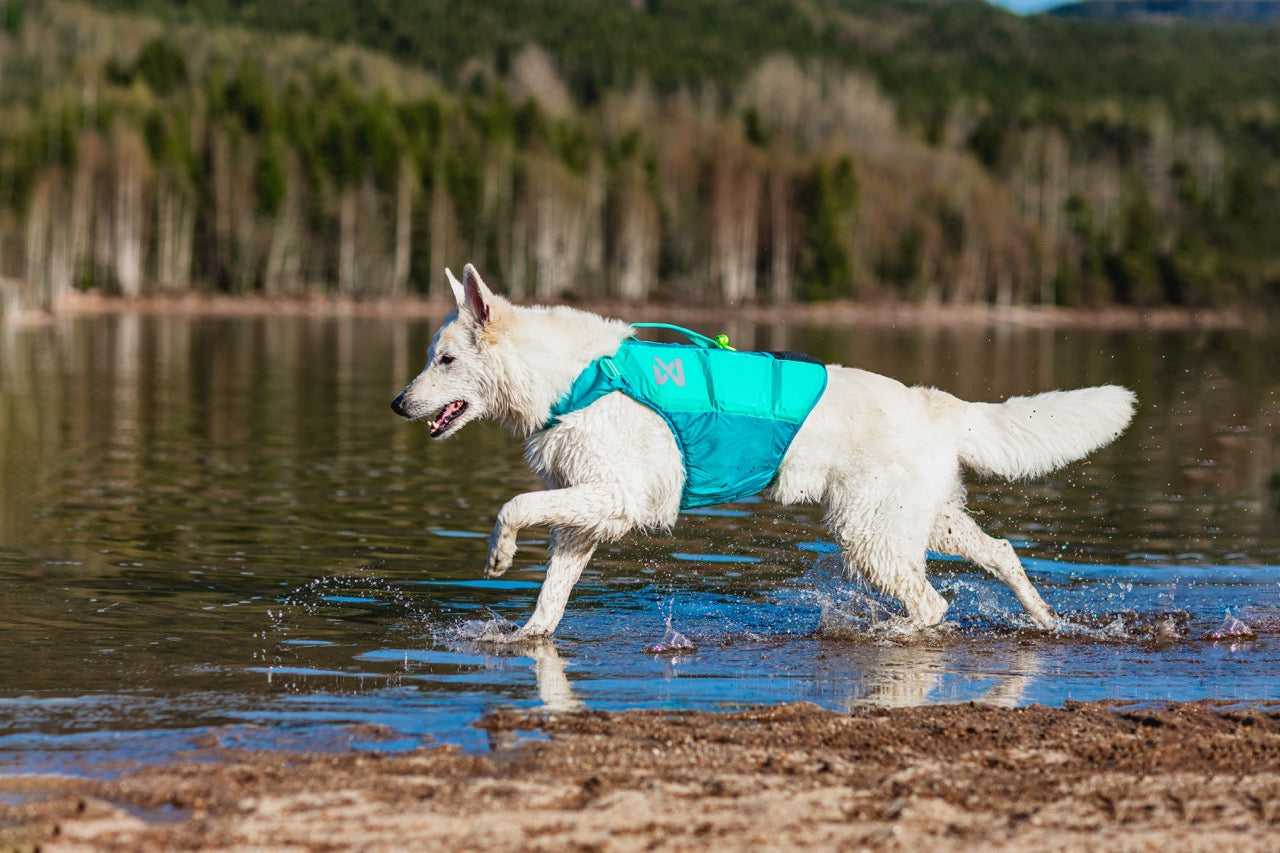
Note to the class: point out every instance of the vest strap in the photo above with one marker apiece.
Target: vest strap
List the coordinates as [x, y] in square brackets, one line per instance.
[700, 340]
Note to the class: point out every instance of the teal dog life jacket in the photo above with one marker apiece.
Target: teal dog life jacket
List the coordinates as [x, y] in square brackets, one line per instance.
[733, 414]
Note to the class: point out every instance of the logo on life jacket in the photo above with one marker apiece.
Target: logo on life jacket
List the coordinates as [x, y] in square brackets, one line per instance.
[673, 371]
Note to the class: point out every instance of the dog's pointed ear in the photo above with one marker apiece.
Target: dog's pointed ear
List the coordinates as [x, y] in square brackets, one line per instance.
[476, 294]
[459, 296]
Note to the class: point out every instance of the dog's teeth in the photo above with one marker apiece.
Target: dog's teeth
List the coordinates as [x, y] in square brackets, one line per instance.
[446, 416]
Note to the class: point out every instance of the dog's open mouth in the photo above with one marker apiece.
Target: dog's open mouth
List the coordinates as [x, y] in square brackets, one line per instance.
[447, 416]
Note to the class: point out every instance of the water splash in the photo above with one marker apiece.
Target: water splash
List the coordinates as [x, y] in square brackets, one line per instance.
[496, 627]
[356, 590]
[848, 608]
[1125, 627]
[1231, 627]
[672, 642]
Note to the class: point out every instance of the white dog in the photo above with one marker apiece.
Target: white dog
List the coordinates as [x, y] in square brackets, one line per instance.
[884, 459]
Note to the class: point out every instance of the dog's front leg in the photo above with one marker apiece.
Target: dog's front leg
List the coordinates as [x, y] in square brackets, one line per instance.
[580, 518]
[571, 550]
[587, 508]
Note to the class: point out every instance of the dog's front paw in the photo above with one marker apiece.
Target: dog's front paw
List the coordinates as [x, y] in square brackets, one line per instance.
[530, 633]
[502, 550]
[504, 636]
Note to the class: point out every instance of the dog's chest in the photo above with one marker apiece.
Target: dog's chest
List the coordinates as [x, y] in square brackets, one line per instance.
[613, 440]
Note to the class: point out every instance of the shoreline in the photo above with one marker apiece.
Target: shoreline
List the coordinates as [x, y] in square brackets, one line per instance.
[838, 313]
[1085, 776]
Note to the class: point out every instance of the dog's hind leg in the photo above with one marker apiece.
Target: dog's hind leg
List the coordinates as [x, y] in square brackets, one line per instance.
[954, 532]
[881, 540]
[899, 574]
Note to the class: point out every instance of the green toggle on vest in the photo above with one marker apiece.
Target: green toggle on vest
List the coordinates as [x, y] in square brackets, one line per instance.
[733, 414]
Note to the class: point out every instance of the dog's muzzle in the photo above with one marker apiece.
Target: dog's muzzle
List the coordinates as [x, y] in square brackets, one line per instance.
[397, 406]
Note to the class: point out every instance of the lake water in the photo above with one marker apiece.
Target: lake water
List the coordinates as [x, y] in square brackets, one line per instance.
[214, 532]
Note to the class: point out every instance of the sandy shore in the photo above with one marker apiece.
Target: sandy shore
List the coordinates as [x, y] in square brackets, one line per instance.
[962, 777]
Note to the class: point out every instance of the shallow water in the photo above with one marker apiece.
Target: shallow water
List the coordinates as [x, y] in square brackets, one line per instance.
[214, 532]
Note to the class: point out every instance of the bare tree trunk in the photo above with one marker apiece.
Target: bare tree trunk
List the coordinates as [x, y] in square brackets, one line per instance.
[375, 244]
[635, 259]
[284, 268]
[184, 242]
[780, 285]
[970, 279]
[559, 229]
[404, 231]
[347, 241]
[82, 204]
[222, 209]
[1056, 167]
[442, 229]
[36, 270]
[174, 223]
[246, 227]
[274, 274]
[164, 236]
[589, 271]
[128, 218]
[61, 266]
[735, 204]
[515, 250]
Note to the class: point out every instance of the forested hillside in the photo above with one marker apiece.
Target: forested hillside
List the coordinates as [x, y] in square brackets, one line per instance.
[1169, 11]
[701, 150]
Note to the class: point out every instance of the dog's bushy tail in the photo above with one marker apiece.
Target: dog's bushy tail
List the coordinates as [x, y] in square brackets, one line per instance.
[1029, 436]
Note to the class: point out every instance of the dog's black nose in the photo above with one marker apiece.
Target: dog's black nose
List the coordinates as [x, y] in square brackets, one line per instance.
[397, 405]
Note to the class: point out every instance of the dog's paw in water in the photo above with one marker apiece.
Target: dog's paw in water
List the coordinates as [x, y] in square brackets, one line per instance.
[498, 630]
[495, 629]
[859, 617]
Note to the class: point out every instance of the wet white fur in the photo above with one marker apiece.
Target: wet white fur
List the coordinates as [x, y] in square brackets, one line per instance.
[883, 458]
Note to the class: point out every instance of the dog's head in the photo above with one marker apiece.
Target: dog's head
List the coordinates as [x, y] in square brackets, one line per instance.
[457, 385]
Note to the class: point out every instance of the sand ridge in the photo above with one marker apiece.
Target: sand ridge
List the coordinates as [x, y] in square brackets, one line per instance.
[953, 777]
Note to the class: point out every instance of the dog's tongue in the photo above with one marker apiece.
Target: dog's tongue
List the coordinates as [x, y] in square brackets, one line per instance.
[446, 417]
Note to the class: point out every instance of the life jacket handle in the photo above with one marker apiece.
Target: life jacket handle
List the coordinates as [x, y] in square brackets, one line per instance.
[718, 342]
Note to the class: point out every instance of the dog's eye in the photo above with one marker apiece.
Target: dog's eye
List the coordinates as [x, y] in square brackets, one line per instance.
[446, 359]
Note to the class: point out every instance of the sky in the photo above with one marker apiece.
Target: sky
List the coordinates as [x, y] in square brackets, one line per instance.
[1026, 7]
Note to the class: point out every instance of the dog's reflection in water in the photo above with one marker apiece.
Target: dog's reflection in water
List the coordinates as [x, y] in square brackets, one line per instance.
[907, 675]
[888, 675]
[555, 692]
[554, 689]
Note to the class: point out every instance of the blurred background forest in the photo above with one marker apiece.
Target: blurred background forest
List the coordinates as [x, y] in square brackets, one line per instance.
[701, 150]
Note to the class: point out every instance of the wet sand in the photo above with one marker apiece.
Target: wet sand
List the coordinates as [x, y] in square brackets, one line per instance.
[960, 777]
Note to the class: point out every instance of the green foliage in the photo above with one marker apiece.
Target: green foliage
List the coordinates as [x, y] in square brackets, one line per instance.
[269, 179]
[753, 128]
[829, 201]
[901, 266]
[167, 133]
[1162, 182]
[572, 146]
[14, 13]
[249, 98]
[380, 138]
[464, 180]
[161, 66]
[989, 139]
[1134, 269]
